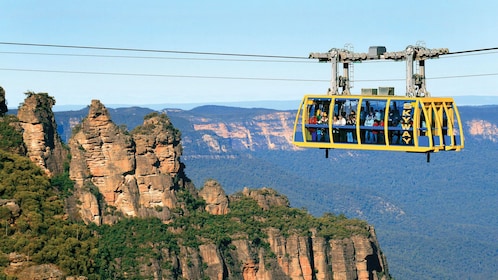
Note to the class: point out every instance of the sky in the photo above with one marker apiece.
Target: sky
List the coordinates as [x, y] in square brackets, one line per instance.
[283, 28]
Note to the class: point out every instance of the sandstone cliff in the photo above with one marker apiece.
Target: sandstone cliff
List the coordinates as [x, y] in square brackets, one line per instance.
[228, 132]
[483, 128]
[43, 144]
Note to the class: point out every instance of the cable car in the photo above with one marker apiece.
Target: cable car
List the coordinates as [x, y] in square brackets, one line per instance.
[377, 119]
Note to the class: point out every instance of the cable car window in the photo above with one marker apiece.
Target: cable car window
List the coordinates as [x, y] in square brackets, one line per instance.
[318, 123]
[400, 122]
[344, 122]
[372, 115]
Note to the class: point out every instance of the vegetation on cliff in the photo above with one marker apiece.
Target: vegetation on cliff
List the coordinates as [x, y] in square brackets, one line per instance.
[10, 137]
[41, 232]
[36, 228]
[248, 218]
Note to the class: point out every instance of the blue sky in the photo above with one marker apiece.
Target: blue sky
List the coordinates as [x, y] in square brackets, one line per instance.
[281, 28]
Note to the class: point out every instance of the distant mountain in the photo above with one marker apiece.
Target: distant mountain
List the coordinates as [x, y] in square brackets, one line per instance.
[476, 100]
[467, 100]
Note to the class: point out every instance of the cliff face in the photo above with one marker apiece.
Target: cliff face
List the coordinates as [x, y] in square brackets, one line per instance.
[3, 102]
[268, 131]
[483, 128]
[118, 173]
[43, 144]
[230, 132]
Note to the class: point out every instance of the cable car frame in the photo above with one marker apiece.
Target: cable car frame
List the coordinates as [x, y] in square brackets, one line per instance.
[377, 119]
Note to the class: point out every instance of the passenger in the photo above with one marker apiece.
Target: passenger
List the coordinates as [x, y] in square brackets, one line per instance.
[342, 120]
[362, 116]
[375, 132]
[312, 120]
[377, 115]
[335, 120]
[323, 118]
[398, 134]
[368, 133]
[342, 133]
[335, 130]
[323, 132]
[311, 109]
[351, 121]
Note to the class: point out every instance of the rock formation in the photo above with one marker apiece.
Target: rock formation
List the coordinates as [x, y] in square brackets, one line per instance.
[3, 102]
[483, 128]
[215, 197]
[266, 198]
[43, 144]
[118, 173]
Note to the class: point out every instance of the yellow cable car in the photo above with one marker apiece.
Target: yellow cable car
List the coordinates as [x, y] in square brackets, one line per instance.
[372, 121]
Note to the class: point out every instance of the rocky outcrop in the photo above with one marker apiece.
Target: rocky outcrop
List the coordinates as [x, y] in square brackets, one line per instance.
[23, 269]
[3, 102]
[266, 197]
[42, 272]
[484, 129]
[13, 209]
[118, 173]
[215, 197]
[43, 144]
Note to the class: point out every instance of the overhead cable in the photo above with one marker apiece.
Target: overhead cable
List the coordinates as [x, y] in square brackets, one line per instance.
[156, 57]
[224, 77]
[193, 52]
[150, 50]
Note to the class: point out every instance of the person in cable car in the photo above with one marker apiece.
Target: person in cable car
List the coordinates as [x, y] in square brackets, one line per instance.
[342, 133]
[368, 133]
[351, 121]
[335, 130]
